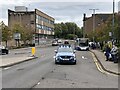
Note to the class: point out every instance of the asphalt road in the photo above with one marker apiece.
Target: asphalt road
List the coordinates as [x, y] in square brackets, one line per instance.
[43, 73]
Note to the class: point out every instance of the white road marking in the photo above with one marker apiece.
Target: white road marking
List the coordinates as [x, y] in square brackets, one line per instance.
[7, 68]
[38, 83]
[84, 57]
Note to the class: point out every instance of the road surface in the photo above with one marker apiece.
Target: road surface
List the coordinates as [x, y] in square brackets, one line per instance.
[43, 73]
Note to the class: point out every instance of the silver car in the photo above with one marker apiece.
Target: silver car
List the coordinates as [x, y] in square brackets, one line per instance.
[65, 54]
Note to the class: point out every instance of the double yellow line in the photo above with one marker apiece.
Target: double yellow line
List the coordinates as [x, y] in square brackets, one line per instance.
[99, 67]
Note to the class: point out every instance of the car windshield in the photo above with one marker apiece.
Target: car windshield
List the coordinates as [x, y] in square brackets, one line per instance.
[65, 50]
[54, 41]
[2, 47]
[83, 44]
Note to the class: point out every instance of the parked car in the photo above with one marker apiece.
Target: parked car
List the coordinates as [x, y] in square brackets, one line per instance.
[3, 50]
[54, 43]
[65, 54]
[59, 41]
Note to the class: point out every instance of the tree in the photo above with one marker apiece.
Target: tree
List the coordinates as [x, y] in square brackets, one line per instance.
[26, 33]
[58, 30]
[6, 33]
[102, 32]
[63, 29]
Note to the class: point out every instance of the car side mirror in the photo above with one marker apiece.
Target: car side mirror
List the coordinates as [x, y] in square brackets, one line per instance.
[74, 51]
[55, 51]
[54, 57]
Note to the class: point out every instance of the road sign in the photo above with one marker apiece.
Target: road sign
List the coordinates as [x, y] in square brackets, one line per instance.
[110, 34]
[17, 36]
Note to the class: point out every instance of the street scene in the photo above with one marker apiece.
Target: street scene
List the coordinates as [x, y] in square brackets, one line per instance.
[71, 45]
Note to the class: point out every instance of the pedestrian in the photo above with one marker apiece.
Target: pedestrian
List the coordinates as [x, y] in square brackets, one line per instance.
[101, 45]
[93, 46]
[114, 52]
[107, 53]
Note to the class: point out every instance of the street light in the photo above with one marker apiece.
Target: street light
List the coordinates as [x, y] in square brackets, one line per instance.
[93, 22]
[113, 20]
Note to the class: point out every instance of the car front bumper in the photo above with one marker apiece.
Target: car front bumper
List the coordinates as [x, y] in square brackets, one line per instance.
[65, 61]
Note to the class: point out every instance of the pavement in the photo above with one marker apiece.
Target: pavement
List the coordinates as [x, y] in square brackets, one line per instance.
[107, 66]
[99, 55]
[19, 56]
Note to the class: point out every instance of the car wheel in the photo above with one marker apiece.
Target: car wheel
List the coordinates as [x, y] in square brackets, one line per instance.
[74, 63]
[6, 52]
[56, 62]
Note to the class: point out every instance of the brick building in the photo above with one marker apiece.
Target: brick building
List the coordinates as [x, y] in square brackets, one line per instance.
[99, 20]
[41, 23]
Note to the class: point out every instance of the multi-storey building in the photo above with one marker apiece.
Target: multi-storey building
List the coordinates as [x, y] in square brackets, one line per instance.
[41, 23]
[99, 20]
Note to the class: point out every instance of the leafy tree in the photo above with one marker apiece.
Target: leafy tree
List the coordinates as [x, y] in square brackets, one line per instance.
[26, 33]
[64, 30]
[71, 36]
[102, 32]
[6, 33]
[58, 30]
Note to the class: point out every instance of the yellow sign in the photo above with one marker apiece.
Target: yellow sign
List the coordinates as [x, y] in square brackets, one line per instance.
[33, 51]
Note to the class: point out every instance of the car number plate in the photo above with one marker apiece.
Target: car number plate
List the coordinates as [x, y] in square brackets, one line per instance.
[66, 59]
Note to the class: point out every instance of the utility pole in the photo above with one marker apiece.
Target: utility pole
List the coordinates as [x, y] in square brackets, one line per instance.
[113, 20]
[84, 28]
[93, 22]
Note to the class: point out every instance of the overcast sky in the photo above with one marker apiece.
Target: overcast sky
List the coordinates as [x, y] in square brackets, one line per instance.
[61, 10]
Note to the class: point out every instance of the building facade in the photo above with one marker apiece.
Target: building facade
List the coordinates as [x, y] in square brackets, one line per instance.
[100, 19]
[40, 23]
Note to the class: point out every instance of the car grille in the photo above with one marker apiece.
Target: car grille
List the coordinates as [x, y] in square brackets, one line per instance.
[65, 57]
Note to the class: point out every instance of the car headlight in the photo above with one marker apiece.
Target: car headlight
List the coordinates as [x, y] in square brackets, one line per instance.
[58, 57]
[72, 57]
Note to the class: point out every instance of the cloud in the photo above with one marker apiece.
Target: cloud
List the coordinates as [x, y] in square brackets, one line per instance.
[62, 11]
[11, 2]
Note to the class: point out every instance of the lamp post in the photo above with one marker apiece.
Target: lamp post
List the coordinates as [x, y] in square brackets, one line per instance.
[113, 20]
[93, 22]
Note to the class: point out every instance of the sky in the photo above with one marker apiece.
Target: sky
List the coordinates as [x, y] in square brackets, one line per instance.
[61, 10]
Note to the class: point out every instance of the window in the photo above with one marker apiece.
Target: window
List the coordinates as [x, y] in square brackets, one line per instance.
[39, 26]
[36, 18]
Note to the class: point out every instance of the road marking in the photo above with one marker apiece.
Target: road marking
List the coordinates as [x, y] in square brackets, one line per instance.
[84, 57]
[0, 69]
[99, 66]
[7, 68]
[38, 83]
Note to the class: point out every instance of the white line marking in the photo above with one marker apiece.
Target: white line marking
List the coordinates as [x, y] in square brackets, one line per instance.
[7, 68]
[84, 57]
[38, 83]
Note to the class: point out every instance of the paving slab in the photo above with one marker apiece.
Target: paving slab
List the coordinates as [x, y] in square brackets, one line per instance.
[108, 65]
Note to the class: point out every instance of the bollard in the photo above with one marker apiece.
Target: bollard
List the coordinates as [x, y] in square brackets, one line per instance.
[33, 51]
